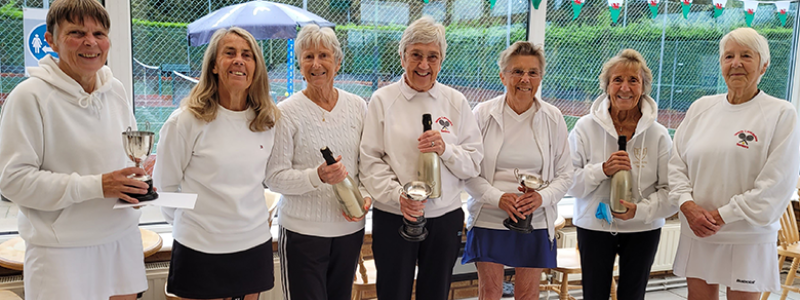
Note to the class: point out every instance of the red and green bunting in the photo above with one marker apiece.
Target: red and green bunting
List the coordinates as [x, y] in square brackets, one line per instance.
[491, 3]
[653, 5]
[615, 7]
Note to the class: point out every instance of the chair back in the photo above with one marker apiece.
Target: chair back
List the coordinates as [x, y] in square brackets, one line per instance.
[788, 235]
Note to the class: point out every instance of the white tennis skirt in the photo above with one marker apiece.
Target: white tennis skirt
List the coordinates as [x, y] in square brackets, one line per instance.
[85, 273]
[741, 267]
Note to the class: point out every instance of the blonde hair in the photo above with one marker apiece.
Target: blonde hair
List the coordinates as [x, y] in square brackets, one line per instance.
[74, 11]
[521, 48]
[204, 99]
[629, 58]
[312, 36]
[425, 30]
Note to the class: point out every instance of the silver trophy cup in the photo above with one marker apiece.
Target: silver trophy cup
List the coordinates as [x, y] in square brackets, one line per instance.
[527, 181]
[138, 145]
[415, 191]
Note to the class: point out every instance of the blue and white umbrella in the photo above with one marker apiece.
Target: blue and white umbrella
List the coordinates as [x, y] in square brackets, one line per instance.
[263, 19]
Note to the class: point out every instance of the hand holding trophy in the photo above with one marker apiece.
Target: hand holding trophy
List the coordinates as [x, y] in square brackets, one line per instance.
[415, 191]
[527, 181]
[138, 145]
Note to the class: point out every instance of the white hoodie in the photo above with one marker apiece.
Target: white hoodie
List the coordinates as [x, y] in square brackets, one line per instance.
[592, 141]
[741, 159]
[56, 141]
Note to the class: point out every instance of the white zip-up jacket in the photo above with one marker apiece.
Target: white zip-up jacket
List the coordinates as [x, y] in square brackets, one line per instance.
[389, 153]
[592, 141]
[741, 159]
[550, 134]
[56, 141]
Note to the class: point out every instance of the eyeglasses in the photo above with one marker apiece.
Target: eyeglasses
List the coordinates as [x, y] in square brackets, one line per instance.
[418, 57]
[520, 73]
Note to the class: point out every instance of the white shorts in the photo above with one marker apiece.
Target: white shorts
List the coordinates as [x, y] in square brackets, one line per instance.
[85, 273]
[741, 267]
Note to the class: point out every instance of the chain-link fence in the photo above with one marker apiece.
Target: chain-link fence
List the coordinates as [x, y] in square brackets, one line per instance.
[682, 53]
[369, 31]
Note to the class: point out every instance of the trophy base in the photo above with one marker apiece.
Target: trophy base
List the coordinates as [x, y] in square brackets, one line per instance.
[414, 231]
[151, 194]
[521, 227]
[413, 238]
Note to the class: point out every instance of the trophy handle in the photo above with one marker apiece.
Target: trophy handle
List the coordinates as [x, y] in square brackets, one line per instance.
[516, 173]
[146, 126]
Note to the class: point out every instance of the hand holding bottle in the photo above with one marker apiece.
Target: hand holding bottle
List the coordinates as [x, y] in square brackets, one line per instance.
[629, 214]
[367, 204]
[332, 174]
[431, 141]
[618, 161]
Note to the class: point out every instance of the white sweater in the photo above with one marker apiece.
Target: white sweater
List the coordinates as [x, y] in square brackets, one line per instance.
[750, 180]
[224, 163]
[593, 140]
[56, 141]
[550, 135]
[389, 151]
[307, 205]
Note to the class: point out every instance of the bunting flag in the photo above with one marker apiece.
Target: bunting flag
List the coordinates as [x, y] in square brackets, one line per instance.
[653, 5]
[536, 3]
[685, 6]
[750, 11]
[615, 6]
[491, 3]
[782, 7]
[719, 7]
[576, 8]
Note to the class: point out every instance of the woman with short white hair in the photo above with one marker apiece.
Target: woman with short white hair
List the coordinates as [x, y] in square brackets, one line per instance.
[319, 245]
[391, 145]
[733, 169]
[520, 133]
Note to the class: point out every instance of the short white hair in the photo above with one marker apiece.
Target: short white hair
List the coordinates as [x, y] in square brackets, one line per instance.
[749, 38]
[423, 31]
[521, 48]
[312, 36]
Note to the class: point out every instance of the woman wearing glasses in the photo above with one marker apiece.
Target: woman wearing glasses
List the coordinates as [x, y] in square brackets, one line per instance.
[520, 132]
[625, 108]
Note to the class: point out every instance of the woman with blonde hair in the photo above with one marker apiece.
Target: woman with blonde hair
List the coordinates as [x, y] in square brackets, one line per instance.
[624, 113]
[217, 145]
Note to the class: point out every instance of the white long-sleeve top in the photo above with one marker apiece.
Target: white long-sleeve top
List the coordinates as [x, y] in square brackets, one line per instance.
[56, 141]
[549, 131]
[307, 205]
[592, 141]
[389, 151]
[740, 159]
[224, 163]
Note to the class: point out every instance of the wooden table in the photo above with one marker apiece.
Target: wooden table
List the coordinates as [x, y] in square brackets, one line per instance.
[12, 252]
[8, 295]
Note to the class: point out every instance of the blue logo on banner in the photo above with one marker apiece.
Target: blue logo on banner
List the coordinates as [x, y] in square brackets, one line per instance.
[37, 45]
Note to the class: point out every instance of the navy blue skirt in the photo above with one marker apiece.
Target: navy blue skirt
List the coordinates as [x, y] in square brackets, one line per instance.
[510, 248]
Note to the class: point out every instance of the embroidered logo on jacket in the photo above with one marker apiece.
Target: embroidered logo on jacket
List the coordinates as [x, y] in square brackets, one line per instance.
[640, 154]
[745, 138]
[445, 123]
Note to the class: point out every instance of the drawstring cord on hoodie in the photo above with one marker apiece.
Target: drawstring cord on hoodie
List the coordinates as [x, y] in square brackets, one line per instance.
[90, 100]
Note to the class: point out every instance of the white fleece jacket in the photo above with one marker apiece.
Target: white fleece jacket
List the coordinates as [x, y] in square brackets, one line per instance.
[550, 134]
[224, 163]
[56, 141]
[740, 159]
[389, 151]
[592, 141]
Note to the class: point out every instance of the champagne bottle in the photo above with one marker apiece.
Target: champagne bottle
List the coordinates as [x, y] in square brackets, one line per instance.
[346, 191]
[428, 168]
[621, 183]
